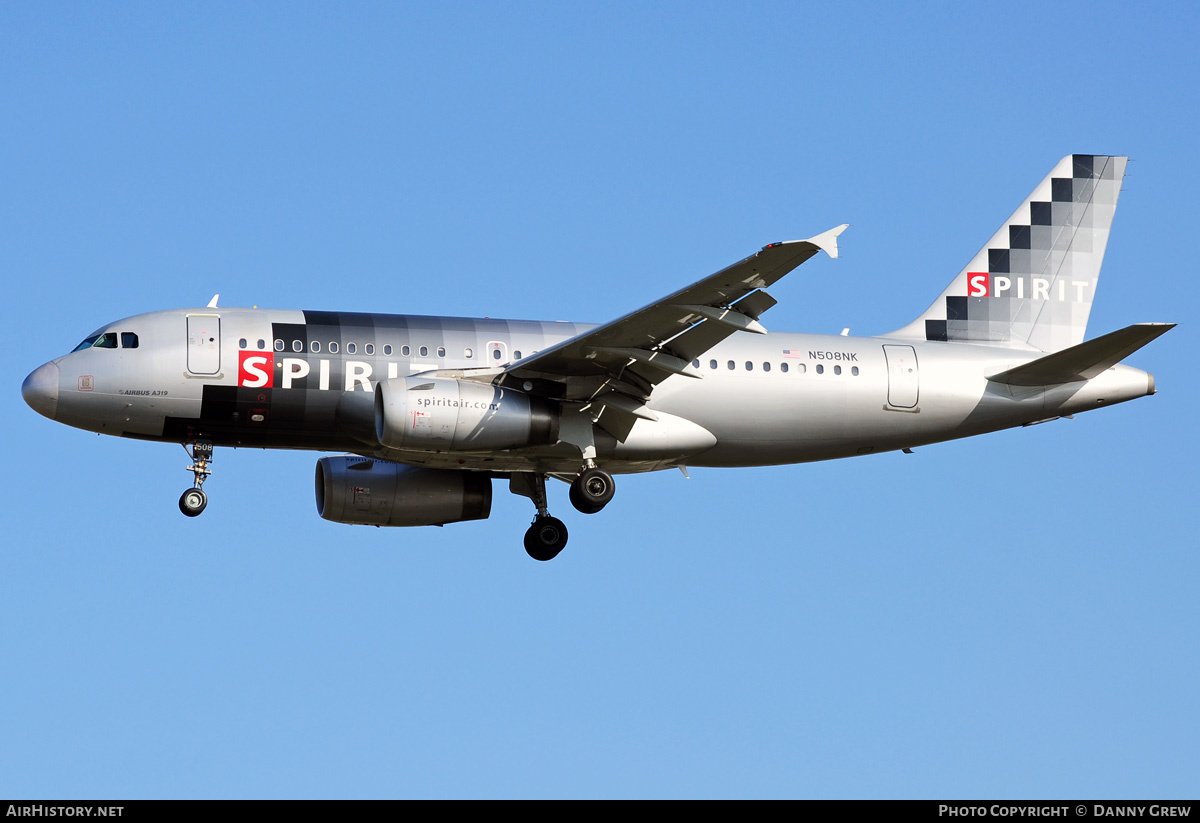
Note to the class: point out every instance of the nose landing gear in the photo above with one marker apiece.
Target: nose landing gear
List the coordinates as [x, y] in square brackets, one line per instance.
[193, 501]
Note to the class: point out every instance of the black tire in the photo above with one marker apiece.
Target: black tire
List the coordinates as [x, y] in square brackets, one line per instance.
[578, 501]
[192, 502]
[545, 538]
[592, 490]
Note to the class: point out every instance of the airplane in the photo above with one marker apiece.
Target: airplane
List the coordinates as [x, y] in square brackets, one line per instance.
[425, 412]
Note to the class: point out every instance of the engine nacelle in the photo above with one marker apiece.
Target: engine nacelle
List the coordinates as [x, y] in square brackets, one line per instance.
[370, 492]
[445, 414]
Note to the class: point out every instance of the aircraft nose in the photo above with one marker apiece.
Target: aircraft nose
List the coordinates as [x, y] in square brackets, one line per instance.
[40, 390]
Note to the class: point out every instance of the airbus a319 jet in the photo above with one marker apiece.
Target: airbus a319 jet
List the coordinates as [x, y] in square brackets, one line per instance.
[429, 411]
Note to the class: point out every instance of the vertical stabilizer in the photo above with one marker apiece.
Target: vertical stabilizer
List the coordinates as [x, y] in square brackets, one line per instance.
[1032, 285]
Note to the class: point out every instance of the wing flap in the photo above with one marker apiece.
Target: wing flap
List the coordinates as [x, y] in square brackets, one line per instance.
[617, 414]
[703, 336]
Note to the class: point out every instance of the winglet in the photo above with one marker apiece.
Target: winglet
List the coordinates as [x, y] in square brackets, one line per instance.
[827, 241]
[212, 304]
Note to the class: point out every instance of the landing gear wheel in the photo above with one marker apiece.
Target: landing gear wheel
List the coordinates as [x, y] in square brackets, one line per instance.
[592, 490]
[192, 502]
[545, 538]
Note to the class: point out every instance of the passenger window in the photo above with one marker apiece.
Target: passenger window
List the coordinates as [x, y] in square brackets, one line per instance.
[108, 340]
[129, 340]
[712, 364]
[262, 344]
[837, 369]
[441, 351]
[820, 369]
[424, 351]
[517, 354]
[405, 350]
[801, 368]
[351, 348]
[242, 343]
[468, 353]
[766, 366]
[696, 364]
[278, 345]
[495, 354]
[732, 365]
[314, 346]
[783, 367]
[369, 348]
[333, 347]
[749, 366]
[387, 350]
[854, 370]
[297, 345]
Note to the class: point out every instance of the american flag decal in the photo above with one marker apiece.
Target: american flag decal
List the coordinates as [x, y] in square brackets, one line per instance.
[793, 353]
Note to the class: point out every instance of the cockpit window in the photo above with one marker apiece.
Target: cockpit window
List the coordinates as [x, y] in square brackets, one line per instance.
[129, 340]
[105, 340]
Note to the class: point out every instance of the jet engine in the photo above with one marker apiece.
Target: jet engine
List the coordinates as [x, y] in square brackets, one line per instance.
[445, 414]
[369, 492]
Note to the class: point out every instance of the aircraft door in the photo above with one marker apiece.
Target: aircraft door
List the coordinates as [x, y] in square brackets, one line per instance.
[903, 376]
[204, 343]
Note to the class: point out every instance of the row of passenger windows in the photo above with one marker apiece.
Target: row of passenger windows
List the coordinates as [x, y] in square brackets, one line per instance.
[108, 340]
[800, 368]
[334, 347]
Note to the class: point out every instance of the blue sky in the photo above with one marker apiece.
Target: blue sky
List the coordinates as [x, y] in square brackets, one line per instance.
[1010, 616]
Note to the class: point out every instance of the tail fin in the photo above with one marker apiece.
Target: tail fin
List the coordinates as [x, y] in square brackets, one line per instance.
[1031, 286]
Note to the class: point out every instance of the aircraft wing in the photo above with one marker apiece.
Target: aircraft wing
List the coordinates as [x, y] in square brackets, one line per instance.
[617, 365]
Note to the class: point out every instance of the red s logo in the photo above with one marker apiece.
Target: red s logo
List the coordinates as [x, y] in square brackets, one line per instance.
[256, 369]
[977, 284]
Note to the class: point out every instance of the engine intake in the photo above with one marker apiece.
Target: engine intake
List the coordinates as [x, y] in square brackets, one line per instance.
[369, 492]
[445, 414]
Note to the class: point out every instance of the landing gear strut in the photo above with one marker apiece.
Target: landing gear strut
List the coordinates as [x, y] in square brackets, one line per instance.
[193, 501]
[548, 535]
[592, 490]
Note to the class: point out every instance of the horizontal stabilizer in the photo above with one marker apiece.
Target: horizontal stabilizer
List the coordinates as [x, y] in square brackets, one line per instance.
[1084, 361]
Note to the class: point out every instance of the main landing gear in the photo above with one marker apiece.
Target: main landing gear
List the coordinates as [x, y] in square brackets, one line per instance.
[548, 535]
[193, 501]
[590, 492]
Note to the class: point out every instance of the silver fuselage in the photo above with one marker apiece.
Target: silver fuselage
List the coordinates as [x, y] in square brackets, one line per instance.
[305, 380]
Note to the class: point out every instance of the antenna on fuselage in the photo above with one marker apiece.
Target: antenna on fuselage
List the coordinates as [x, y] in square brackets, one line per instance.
[212, 304]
